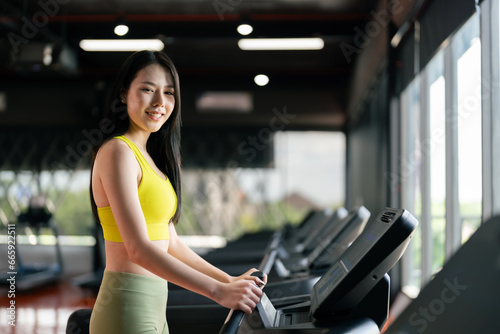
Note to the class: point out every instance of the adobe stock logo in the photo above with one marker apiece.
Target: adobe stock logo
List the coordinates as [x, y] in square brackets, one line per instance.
[372, 29]
[30, 28]
[223, 6]
[420, 320]
[265, 136]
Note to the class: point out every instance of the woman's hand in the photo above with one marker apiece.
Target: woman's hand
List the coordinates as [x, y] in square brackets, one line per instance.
[248, 276]
[241, 294]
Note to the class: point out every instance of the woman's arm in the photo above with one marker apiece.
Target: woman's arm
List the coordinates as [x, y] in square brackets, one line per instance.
[119, 173]
[182, 252]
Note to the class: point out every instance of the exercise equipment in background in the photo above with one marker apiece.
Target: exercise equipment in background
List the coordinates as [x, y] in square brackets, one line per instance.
[29, 276]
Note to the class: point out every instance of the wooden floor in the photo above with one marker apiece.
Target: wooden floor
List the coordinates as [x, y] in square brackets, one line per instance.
[44, 310]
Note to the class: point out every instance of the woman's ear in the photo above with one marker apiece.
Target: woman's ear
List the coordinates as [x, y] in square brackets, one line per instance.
[123, 96]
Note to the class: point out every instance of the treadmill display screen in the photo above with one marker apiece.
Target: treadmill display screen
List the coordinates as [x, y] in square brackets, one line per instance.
[354, 254]
[326, 284]
[351, 257]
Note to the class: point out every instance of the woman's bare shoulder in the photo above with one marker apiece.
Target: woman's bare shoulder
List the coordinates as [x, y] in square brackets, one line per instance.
[114, 152]
[114, 146]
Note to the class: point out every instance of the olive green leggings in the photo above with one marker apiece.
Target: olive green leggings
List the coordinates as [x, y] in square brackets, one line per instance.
[130, 304]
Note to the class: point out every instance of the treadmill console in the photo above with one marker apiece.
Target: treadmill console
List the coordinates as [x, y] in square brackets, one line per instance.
[363, 264]
[353, 294]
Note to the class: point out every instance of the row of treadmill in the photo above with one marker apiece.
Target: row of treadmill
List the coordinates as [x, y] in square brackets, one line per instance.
[327, 274]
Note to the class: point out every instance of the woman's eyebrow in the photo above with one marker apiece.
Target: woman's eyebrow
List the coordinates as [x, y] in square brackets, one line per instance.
[153, 84]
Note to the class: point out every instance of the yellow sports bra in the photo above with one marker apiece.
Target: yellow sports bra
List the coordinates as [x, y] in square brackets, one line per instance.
[158, 201]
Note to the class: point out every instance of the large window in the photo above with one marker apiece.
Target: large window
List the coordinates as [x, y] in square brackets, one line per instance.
[434, 147]
[66, 194]
[441, 156]
[308, 172]
[410, 164]
[467, 48]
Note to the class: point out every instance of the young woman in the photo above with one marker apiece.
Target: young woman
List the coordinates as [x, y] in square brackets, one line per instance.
[136, 196]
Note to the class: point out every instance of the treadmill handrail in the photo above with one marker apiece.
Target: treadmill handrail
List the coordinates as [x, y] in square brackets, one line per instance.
[235, 317]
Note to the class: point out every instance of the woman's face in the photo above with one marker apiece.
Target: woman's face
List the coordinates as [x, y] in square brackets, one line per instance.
[150, 98]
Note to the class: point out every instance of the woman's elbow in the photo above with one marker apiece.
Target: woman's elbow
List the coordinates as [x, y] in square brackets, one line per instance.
[135, 252]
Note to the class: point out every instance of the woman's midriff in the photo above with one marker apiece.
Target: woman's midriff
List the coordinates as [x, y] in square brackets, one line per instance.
[117, 258]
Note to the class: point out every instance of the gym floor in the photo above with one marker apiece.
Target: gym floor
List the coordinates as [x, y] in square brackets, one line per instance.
[45, 309]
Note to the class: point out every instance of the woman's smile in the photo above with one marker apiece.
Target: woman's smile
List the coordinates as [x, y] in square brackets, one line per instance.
[154, 115]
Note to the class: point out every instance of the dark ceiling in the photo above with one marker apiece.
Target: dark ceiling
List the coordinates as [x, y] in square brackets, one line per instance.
[200, 36]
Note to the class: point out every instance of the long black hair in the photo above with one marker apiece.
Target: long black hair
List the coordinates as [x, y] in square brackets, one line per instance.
[163, 145]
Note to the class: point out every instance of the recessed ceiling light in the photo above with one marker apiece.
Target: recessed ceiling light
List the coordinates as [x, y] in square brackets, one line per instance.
[251, 44]
[121, 30]
[47, 55]
[235, 102]
[117, 45]
[244, 29]
[261, 79]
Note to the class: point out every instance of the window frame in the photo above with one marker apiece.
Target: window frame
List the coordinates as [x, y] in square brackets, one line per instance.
[490, 72]
[489, 17]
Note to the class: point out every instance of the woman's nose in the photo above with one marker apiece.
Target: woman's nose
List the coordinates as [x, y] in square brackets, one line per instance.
[159, 100]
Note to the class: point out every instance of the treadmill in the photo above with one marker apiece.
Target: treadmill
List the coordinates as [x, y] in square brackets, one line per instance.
[298, 282]
[326, 246]
[352, 296]
[304, 242]
[236, 262]
[30, 276]
[250, 248]
[300, 278]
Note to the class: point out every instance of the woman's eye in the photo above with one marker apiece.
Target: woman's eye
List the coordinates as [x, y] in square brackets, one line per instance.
[147, 90]
[169, 93]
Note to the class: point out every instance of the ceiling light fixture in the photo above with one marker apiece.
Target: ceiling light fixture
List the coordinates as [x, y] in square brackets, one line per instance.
[244, 29]
[121, 30]
[119, 45]
[253, 44]
[223, 101]
[261, 79]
